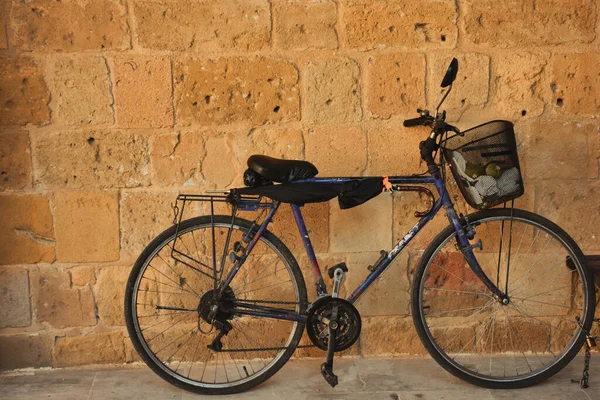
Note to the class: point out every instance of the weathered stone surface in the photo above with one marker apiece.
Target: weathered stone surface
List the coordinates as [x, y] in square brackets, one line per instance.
[519, 82]
[573, 205]
[175, 158]
[221, 167]
[388, 295]
[394, 150]
[26, 232]
[43, 25]
[15, 160]
[305, 25]
[269, 140]
[201, 26]
[561, 150]
[87, 226]
[337, 151]
[396, 84]
[371, 24]
[528, 23]
[56, 303]
[77, 159]
[389, 336]
[316, 218]
[95, 348]
[24, 96]
[363, 228]
[80, 91]
[83, 275]
[576, 84]
[109, 294]
[15, 309]
[472, 82]
[143, 91]
[25, 351]
[143, 216]
[333, 91]
[227, 90]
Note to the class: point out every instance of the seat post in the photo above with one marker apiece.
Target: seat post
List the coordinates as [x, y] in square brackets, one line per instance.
[321, 288]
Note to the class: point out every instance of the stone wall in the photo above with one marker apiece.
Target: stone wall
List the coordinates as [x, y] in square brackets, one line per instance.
[110, 108]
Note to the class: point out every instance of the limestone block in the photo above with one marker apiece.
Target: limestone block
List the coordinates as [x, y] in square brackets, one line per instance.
[25, 351]
[389, 336]
[558, 150]
[519, 81]
[573, 205]
[363, 228]
[56, 303]
[83, 275]
[90, 159]
[24, 95]
[95, 348]
[201, 26]
[15, 308]
[109, 294]
[143, 91]
[87, 226]
[44, 25]
[389, 294]
[175, 158]
[396, 84]
[337, 151]
[15, 160]
[394, 150]
[316, 218]
[26, 232]
[576, 84]
[228, 90]
[80, 89]
[333, 91]
[143, 216]
[471, 88]
[305, 25]
[372, 24]
[528, 23]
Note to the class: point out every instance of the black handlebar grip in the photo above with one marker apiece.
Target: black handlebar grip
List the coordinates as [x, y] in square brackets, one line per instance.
[414, 122]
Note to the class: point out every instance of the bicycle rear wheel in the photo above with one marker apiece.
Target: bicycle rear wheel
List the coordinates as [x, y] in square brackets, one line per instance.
[166, 307]
[482, 341]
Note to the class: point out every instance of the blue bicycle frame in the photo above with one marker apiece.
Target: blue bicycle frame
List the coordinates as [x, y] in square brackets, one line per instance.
[442, 201]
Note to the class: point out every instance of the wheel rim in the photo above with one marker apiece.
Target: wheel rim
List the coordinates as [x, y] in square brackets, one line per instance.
[485, 339]
[221, 369]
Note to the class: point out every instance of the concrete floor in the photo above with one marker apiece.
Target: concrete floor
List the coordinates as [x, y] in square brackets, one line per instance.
[390, 379]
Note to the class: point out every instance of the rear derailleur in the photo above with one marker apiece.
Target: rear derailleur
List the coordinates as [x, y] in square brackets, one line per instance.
[333, 324]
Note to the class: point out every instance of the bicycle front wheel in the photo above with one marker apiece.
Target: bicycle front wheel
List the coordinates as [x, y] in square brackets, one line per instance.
[168, 305]
[479, 339]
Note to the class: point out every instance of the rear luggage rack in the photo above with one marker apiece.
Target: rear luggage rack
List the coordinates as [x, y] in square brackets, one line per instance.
[180, 252]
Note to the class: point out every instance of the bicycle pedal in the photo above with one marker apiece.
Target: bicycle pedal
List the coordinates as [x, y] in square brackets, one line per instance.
[331, 271]
[328, 374]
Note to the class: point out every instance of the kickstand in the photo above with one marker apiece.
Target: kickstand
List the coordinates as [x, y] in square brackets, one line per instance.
[327, 366]
[590, 341]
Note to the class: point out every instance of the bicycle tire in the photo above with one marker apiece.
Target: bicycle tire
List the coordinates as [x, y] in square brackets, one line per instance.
[133, 326]
[419, 310]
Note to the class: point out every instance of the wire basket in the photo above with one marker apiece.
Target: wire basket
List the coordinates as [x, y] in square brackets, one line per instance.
[485, 164]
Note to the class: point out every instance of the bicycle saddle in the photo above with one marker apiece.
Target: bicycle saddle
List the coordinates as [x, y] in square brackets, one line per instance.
[281, 171]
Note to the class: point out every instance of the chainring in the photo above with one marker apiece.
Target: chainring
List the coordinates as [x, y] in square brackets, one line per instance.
[349, 323]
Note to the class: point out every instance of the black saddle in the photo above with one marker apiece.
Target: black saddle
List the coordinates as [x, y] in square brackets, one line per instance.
[281, 171]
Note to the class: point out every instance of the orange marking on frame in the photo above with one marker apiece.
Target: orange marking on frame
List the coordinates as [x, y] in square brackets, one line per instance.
[386, 184]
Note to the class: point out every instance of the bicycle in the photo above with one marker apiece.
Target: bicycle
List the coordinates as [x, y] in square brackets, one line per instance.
[501, 298]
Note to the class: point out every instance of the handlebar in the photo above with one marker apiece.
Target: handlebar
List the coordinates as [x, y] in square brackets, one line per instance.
[420, 121]
[438, 124]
